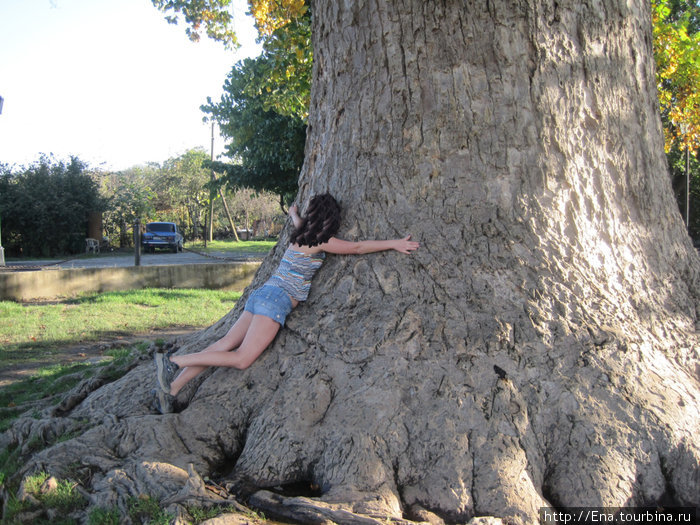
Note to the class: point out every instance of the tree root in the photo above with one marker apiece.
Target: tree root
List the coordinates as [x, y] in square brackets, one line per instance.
[315, 512]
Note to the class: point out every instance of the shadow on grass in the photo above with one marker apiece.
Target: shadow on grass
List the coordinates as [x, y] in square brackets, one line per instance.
[52, 381]
[46, 383]
[40, 351]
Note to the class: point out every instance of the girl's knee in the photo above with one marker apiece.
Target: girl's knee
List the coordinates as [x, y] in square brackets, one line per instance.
[242, 359]
[243, 364]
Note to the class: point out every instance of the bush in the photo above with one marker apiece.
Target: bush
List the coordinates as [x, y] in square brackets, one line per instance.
[44, 208]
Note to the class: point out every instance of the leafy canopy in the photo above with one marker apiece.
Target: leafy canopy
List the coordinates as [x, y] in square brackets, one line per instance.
[284, 27]
[271, 15]
[285, 30]
[267, 147]
[211, 16]
[285, 81]
[214, 17]
[677, 54]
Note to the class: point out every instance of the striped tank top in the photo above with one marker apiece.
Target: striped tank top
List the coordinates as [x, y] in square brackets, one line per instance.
[295, 272]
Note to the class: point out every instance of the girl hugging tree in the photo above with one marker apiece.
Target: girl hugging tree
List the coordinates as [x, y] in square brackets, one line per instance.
[268, 306]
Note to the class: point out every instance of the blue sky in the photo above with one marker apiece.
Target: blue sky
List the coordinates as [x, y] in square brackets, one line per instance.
[109, 81]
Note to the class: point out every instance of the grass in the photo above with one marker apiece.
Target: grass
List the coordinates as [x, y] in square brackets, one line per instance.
[146, 509]
[57, 500]
[62, 498]
[102, 516]
[261, 247]
[52, 381]
[33, 330]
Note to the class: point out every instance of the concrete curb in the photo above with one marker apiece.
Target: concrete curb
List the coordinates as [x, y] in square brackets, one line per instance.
[28, 286]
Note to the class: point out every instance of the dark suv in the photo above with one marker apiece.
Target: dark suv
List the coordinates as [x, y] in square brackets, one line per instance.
[162, 235]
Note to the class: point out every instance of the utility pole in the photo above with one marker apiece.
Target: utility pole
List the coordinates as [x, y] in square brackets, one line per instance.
[2, 250]
[137, 242]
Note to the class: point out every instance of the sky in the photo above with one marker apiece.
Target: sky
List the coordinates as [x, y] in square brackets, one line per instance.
[108, 81]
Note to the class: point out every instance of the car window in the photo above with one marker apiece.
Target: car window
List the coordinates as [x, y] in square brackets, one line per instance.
[161, 227]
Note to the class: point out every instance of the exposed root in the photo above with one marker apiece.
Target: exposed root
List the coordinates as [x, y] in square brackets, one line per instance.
[316, 512]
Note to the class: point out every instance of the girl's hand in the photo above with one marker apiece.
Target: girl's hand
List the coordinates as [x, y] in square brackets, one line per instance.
[294, 209]
[405, 245]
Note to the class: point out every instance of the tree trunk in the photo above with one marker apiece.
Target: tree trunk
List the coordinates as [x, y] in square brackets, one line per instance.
[540, 349]
[123, 234]
[228, 215]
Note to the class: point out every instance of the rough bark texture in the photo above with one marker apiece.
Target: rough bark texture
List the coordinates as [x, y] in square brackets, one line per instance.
[540, 349]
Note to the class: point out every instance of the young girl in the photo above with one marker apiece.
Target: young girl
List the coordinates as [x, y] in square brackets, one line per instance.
[268, 306]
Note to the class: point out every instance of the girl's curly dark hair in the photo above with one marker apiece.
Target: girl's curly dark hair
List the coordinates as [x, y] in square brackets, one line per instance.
[322, 221]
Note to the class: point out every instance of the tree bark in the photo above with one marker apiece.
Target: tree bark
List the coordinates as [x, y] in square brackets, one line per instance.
[540, 349]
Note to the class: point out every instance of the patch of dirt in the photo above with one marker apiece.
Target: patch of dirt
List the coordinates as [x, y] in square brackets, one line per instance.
[91, 351]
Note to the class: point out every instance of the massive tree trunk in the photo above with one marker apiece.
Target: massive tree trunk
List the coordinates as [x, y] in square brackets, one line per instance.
[540, 349]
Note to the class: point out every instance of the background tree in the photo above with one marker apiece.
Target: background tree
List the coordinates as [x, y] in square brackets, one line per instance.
[540, 349]
[130, 196]
[209, 16]
[266, 146]
[45, 207]
[175, 190]
[184, 193]
[286, 60]
[258, 212]
[266, 100]
[677, 54]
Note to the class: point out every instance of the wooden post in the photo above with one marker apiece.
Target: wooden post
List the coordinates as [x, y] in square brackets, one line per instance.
[137, 242]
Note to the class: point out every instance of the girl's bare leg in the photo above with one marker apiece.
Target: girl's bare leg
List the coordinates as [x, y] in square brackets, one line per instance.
[233, 338]
[261, 331]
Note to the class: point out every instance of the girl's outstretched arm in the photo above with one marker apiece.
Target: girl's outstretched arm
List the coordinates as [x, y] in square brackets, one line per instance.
[339, 246]
[294, 214]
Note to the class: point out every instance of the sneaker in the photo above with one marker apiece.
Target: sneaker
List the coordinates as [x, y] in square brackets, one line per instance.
[162, 402]
[166, 371]
[169, 349]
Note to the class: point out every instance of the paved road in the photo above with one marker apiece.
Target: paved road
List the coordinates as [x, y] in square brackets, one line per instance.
[147, 259]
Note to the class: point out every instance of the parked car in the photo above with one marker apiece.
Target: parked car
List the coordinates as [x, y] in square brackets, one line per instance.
[162, 235]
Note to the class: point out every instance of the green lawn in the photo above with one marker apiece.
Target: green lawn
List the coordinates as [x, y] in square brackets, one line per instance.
[30, 329]
[261, 247]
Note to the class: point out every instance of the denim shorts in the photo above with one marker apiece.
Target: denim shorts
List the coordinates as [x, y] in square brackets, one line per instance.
[270, 301]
